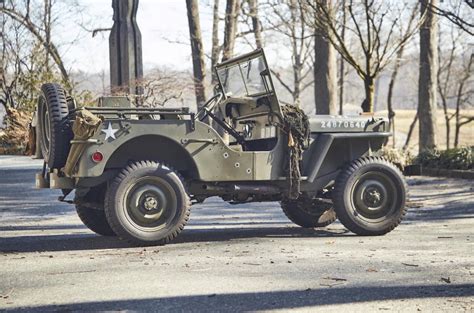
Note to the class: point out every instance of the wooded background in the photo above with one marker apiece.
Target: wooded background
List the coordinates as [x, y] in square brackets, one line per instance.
[408, 60]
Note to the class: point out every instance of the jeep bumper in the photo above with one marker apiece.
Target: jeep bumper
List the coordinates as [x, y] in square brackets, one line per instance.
[53, 181]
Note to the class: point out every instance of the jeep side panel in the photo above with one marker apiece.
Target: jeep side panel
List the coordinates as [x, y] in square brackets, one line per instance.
[200, 153]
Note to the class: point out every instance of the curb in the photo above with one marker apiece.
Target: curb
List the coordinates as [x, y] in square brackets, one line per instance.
[447, 173]
[414, 170]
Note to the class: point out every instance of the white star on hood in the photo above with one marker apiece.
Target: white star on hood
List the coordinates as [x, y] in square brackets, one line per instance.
[109, 132]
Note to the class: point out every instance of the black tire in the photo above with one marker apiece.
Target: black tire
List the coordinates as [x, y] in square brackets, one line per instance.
[95, 220]
[147, 204]
[369, 196]
[90, 210]
[55, 132]
[309, 214]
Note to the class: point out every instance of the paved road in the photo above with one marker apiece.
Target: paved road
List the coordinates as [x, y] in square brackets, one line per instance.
[242, 257]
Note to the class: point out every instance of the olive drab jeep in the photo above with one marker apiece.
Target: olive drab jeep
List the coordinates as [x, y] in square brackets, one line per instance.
[136, 171]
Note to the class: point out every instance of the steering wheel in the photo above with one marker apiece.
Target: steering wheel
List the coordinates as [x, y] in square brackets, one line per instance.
[206, 110]
[208, 107]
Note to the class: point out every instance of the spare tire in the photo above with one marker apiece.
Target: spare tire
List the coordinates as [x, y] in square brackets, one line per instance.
[55, 131]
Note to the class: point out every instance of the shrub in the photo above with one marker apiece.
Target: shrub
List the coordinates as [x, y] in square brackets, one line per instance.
[458, 158]
[398, 157]
[14, 138]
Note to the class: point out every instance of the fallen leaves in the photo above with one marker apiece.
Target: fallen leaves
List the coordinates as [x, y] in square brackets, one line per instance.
[7, 295]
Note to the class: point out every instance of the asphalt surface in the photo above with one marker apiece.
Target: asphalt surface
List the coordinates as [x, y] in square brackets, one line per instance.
[236, 258]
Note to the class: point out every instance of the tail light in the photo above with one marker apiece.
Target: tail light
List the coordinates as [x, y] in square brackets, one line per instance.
[97, 156]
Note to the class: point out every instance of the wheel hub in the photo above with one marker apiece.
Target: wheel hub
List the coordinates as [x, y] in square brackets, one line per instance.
[150, 203]
[372, 196]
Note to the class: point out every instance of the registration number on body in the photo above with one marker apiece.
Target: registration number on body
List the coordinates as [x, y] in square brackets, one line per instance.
[343, 124]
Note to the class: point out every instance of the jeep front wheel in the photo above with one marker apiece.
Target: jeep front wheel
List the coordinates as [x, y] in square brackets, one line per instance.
[369, 196]
[147, 204]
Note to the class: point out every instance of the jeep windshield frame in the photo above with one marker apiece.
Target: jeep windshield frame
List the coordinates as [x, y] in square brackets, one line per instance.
[247, 75]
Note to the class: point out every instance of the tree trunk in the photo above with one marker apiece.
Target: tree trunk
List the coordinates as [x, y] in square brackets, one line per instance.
[457, 127]
[257, 30]
[369, 87]
[230, 28]
[342, 64]
[391, 85]
[297, 68]
[325, 71]
[197, 51]
[215, 41]
[446, 119]
[459, 96]
[410, 132]
[47, 31]
[427, 79]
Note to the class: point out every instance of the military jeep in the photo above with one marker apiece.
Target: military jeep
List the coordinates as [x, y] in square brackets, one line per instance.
[136, 171]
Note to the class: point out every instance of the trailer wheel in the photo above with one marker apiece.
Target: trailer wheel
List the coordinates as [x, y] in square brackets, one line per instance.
[55, 132]
[369, 196]
[308, 214]
[90, 209]
[147, 204]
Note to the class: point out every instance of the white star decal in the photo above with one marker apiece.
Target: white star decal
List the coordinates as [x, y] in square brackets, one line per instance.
[109, 132]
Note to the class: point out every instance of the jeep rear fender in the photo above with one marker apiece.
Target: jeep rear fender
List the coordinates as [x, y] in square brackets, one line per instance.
[155, 148]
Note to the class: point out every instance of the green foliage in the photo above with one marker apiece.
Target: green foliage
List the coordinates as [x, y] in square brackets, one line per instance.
[396, 156]
[459, 158]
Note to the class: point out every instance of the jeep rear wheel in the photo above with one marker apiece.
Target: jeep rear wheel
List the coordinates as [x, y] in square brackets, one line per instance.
[369, 196]
[309, 214]
[147, 204]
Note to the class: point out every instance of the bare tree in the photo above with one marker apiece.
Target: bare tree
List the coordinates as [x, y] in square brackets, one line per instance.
[452, 11]
[164, 87]
[393, 78]
[230, 28]
[463, 97]
[444, 81]
[427, 77]
[288, 19]
[341, 60]
[27, 52]
[216, 48]
[256, 26]
[410, 132]
[379, 32]
[197, 51]
[42, 33]
[325, 72]
[454, 71]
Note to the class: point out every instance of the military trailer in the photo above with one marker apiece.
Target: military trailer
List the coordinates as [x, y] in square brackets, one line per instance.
[136, 171]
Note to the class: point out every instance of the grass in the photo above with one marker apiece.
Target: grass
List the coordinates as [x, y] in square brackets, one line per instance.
[404, 118]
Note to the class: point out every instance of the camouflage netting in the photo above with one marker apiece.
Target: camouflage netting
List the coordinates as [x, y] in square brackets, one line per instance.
[14, 139]
[85, 126]
[296, 125]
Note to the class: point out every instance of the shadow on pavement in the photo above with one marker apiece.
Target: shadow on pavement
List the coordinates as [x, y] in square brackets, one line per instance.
[266, 300]
[72, 242]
